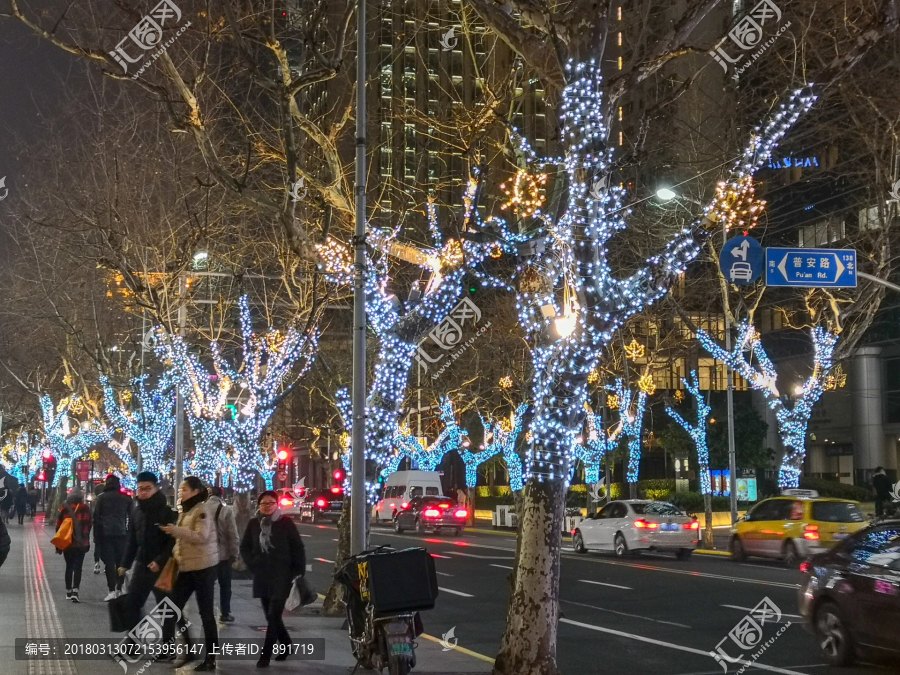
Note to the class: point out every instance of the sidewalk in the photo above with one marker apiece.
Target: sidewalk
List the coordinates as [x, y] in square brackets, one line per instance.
[33, 605]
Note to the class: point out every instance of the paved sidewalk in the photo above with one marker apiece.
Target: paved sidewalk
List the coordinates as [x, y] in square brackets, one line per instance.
[33, 605]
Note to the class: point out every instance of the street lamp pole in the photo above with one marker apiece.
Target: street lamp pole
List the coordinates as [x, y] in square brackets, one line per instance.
[179, 399]
[358, 440]
[732, 458]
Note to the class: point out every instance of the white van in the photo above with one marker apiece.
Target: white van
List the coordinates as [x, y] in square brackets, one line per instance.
[401, 486]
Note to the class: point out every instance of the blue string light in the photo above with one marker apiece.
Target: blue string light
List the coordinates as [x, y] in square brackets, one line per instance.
[66, 438]
[498, 440]
[697, 431]
[592, 449]
[792, 421]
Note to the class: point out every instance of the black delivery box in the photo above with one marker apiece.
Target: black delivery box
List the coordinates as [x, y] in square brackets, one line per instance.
[401, 581]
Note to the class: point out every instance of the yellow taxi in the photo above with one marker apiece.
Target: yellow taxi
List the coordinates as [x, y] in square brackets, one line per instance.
[794, 526]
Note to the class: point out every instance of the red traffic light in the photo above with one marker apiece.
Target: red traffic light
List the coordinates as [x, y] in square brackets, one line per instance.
[41, 476]
[282, 455]
[339, 474]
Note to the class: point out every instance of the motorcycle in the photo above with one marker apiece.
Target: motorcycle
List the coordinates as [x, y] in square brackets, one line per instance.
[384, 591]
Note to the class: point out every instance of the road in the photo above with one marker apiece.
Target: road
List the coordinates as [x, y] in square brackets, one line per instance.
[650, 614]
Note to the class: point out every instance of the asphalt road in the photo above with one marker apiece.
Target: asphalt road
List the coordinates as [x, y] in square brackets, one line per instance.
[650, 614]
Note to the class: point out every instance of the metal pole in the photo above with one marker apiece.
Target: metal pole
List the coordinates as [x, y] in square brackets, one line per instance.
[358, 440]
[732, 462]
[888, 284]
[179, 399]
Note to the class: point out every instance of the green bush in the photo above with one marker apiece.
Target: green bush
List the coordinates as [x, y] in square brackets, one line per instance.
[693, 502]
[828, 488]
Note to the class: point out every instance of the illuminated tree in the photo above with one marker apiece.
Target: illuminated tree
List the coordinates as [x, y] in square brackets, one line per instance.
[23, 455]
[500, 438]
[596, 445]
[66, 438]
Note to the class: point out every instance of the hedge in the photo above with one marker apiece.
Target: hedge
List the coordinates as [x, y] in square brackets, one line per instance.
[830, 488]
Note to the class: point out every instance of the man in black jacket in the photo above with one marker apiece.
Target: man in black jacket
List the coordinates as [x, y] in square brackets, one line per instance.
[9, 484]
[5, 542]
[148, 545]
[111, 513]
[882, 485]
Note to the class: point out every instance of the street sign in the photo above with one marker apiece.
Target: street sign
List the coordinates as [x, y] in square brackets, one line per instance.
[811, 267]
[83, 469]
[741, 260]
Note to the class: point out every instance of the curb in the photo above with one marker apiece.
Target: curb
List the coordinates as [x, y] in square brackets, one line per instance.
[701, 551]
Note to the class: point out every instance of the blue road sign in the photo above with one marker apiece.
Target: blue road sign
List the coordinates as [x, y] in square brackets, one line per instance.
[741, 260]
[811, 267]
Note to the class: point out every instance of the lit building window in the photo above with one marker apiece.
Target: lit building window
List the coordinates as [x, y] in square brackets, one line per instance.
[620, 63]
[620, 113]
[621, 138]
[620, 13]
[620, 37]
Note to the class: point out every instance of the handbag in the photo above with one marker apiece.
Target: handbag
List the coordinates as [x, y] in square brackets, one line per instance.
[124, 614]
[166, 580]
[63, 537]
[301, 595]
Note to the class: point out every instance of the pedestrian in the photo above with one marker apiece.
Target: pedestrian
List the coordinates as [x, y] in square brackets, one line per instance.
[148, 548]
[112, 510]
[21, 503]
[78, 511]
[273, 551]
[197, 554]
[33, 497]
[5, 542]
[8, 486]
[882, 486]
[228, 537]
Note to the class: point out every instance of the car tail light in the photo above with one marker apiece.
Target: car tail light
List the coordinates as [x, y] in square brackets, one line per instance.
[645, 524]
[444, 506]
[693, 525]
[811, 532]
[286, 502]
[404, 505]
[337, 489]
[320, 502]
[805, 566]
[461, 513]
[432, 513]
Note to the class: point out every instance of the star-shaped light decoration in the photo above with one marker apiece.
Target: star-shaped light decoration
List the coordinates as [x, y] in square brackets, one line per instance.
[612, 401]
[836, 379]
[505, 382]
[525, 196]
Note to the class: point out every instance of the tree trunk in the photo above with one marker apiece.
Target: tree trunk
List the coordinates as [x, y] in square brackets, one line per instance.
[708, 529]
[242, 514]
[529, 643]
[334, 597]
[56, 502]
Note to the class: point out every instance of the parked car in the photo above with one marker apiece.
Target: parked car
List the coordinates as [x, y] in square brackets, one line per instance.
[401, 487]
[850, 595]
[431, 513]
[794, 526]
[324, 504]
[289, 501]
[634, 525]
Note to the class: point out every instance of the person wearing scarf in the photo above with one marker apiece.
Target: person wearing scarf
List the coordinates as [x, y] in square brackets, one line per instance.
[273, 551]
[197, 554]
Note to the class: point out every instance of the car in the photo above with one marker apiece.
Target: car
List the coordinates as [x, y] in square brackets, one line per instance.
[742, 271]
[401, 488]
[794, 526]
[289, 500]
[431, 513]
[633, 525]
[323, 504]
[850, 595]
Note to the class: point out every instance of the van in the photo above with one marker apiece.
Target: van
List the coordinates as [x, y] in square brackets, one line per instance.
[401, 486]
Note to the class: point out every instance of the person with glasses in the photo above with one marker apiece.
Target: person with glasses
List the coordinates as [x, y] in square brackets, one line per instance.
[197, 554]
[273, 551]
[148, 548]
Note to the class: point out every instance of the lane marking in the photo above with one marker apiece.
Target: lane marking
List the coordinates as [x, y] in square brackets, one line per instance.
[600, 583]
[324, 560]
[452, 592]
[438, 555]
[457, 648]
[503, 567]
[633, 616]
[750, 609]
[482, 557]
[444, 574]
[671, 645]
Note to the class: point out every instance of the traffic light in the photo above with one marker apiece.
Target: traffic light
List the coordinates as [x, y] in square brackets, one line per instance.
[338, 486]
[339, 475]
[282, 455]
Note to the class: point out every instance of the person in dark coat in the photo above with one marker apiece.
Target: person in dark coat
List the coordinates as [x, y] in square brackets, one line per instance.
[9, 485]
[21, 502]
[80, 514]
[148, 546]
[112, 511]
[273, 551]
[882, 485]
[5, 542]
[33, 497]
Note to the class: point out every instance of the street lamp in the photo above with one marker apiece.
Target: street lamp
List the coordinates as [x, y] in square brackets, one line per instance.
[199, 256]
[665, 194]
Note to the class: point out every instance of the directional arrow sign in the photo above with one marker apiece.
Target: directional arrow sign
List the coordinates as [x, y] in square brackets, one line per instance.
[741, 260]
[811, 267]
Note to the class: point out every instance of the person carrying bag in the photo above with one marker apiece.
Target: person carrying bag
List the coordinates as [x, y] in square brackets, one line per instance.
[78, 514]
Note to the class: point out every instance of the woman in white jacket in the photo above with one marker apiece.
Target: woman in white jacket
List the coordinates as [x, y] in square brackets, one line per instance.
[197, 554]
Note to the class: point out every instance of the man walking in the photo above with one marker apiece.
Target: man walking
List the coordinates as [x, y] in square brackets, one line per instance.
[112, 511]
[882, 486]
[148, 545]
[8, 487]
[229, 548]
[5, 542]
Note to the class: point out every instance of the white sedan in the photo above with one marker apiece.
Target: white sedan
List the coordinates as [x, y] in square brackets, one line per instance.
[632, 525]
[289, 501]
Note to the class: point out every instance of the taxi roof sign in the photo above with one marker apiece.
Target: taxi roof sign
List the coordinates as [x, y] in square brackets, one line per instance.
[802, 494]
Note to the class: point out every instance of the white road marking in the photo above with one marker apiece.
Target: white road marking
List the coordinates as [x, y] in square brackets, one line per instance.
[447, 590]
[324, 560]
[671, 645]
[438, 555]
[600, 583]
[444, 574]
[633, 616]
[308, 535]
[750, 609]
[481, 557]
[502, 567]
